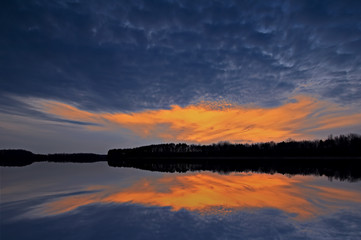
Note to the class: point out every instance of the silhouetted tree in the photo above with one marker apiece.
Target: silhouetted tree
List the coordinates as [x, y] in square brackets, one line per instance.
[333, 157]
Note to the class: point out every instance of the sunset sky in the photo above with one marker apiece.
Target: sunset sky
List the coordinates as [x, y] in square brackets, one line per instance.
[87, 76]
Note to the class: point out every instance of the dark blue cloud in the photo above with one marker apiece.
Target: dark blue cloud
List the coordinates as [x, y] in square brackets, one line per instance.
[132, 55]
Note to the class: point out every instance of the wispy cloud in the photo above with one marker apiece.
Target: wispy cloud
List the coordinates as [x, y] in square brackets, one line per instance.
[138, 55]
[208, 122]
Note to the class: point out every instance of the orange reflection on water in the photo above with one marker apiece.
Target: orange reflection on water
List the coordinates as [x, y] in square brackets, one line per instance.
[67, 204]
[203, 192]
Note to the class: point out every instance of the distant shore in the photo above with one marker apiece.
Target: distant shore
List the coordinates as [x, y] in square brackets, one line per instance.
[342, 168]
[20, 157]
[338, 157]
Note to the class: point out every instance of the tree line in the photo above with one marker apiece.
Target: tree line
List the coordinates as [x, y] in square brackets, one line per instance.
[20, 157]
[339, 146]
[336, 157]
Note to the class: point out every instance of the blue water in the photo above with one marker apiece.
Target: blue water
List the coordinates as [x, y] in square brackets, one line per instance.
[95, 201]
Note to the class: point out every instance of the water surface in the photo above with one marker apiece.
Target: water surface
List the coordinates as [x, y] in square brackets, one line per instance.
[95, 201]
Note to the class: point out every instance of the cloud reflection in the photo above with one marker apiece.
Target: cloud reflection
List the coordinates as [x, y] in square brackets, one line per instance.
[210, 193]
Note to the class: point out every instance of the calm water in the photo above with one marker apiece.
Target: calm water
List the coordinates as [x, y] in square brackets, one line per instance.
[95, 201]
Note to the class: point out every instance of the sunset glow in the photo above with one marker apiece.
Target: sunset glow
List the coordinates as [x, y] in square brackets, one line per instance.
[180, 119]
[214, 122]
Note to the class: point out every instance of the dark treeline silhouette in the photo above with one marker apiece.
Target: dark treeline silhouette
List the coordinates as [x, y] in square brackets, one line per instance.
[20, 157]
[340, 146]
[337, 157]
[16, 157]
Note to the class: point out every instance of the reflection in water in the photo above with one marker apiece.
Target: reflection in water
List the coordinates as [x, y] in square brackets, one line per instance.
[210, 192]
[93, 201]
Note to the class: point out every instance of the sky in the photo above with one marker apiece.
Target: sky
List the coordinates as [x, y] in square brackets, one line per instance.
[88, 76]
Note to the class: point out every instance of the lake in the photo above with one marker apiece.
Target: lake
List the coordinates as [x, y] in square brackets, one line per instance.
[94, 201]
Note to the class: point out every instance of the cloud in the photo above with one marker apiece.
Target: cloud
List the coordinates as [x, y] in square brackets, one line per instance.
[208, 122]
[151, 55]
[141, 56]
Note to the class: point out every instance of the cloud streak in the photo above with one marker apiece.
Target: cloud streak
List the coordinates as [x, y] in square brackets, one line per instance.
[208, 122]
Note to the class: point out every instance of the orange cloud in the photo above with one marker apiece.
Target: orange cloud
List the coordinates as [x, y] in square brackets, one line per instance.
[213, 122]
